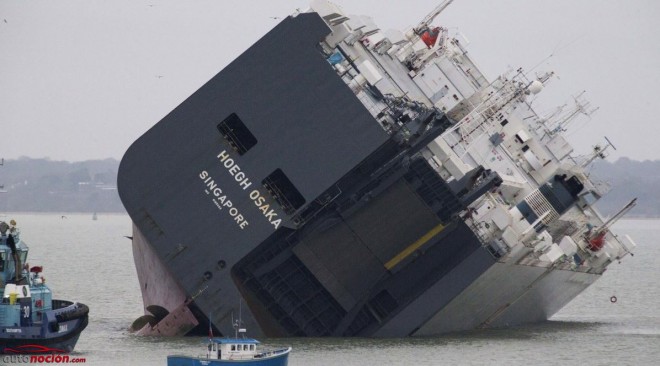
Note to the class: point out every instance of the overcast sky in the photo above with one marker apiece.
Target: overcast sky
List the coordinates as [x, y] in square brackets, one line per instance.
[83, 79]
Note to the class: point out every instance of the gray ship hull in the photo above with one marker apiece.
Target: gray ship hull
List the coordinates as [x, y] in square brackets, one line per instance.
[468, 297]
[509, 295]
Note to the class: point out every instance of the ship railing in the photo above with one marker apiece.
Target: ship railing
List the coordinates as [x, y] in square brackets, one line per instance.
[487, 233]
[478, 119]
[369, 103]
[487, 243]
[613, 240]
[477, 228]
[591, 182]
[593, 258]
[348, 75]
[502, 96]
[566, 226]
[601, 186]
[626, 249]
[474, 121]
[468, 67]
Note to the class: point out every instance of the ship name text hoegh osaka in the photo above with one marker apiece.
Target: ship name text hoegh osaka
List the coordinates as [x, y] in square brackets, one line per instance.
[244, 182]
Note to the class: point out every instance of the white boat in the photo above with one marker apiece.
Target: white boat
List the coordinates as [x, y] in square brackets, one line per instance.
[230, 351]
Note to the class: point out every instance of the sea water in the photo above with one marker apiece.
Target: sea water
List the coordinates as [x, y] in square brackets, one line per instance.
[91, 261]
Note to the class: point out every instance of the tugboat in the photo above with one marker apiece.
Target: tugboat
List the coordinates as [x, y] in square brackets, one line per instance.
[30, 320]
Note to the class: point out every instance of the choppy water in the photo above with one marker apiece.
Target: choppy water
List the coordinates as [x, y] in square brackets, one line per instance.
[91, 262]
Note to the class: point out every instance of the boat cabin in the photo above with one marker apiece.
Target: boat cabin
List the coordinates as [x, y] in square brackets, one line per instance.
[23, 302]
[8, 264]
[232, 349]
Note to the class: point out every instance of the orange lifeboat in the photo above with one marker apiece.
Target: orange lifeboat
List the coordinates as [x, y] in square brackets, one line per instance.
[430, 36]
[597, 242]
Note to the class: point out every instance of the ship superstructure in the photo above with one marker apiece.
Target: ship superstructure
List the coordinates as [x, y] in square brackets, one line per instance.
[344, 180]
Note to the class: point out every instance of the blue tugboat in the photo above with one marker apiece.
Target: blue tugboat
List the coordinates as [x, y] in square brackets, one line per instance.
[229, 351]
[30, 320]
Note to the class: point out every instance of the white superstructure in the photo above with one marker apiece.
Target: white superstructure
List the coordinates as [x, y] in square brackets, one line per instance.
[495, 127]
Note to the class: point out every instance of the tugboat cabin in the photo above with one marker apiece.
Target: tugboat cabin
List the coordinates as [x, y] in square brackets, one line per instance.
[25, 297]
[232, 349]
[9, 267]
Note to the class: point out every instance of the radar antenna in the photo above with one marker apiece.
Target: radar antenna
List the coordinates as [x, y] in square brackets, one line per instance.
[582, 106]
[599, 152]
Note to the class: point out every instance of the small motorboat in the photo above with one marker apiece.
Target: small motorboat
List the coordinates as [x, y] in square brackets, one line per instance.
[238, 350]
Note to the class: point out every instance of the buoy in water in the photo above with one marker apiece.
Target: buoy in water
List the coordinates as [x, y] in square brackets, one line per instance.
[613, 299]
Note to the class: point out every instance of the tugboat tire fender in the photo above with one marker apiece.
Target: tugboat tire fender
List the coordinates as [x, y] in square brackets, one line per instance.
[80, 311]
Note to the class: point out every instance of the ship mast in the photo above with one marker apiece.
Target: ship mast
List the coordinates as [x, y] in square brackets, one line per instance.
[598, 152]
[2, 186]
[581, 106]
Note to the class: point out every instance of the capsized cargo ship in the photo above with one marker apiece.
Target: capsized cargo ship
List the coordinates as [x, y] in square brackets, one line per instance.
[345, 180]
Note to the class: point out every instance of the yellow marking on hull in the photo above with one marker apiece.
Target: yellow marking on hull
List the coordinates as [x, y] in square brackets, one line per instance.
[414, 246]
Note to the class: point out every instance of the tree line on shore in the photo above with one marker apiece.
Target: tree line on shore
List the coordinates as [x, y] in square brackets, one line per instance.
[44, 185]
